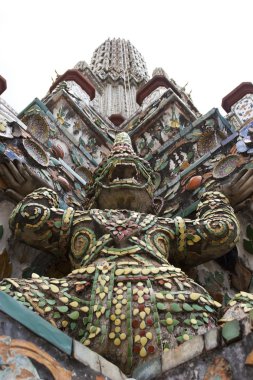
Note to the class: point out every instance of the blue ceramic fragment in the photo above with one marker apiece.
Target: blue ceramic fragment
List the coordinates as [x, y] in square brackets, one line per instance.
[2, 148]
[11, 155]
[241, 146]
[244, 131]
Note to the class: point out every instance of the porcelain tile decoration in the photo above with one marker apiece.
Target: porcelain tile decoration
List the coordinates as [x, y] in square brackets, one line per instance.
[126, 227]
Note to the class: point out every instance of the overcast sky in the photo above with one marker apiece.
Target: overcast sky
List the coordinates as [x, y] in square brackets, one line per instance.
[205, 43]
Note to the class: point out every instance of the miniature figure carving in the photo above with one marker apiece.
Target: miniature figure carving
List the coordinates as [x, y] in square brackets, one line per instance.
[239, 190]
[20, 179]
[124, 299]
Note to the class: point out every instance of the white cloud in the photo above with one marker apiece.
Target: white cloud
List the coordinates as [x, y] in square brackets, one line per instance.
[205, 43]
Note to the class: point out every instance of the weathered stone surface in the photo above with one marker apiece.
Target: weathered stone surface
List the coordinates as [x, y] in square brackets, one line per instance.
[242, 277]
[211, 339]
[15, 355]
[148, 370]
[234, 354]
[246, 325]
[219, 370]
[86, 356]
[110, 370]
[13, 364]
[249, 359]
[181, 354]
[13, 329]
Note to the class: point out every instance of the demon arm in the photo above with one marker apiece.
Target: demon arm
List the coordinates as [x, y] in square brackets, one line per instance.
[20, 180]
[38, 222]
[213, 233]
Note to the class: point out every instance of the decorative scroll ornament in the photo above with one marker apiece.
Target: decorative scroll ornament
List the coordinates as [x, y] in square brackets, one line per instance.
[17, 364]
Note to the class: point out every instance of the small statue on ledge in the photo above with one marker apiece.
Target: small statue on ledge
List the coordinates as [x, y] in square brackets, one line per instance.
[124, 299]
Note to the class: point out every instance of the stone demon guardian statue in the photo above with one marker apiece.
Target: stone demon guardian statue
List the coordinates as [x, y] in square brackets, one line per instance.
[124, 298]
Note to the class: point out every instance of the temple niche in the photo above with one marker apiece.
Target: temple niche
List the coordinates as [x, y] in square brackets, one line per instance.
[111, 112]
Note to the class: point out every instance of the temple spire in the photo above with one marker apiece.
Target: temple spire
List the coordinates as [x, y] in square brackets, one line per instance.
[122, 71]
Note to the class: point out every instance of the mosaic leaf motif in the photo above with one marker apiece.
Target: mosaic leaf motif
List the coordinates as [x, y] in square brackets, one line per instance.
[132, 300]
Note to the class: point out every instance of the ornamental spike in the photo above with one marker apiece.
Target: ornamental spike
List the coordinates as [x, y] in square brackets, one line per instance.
[122, 143]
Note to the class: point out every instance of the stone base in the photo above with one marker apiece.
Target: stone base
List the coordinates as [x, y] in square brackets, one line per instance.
[222, 353]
